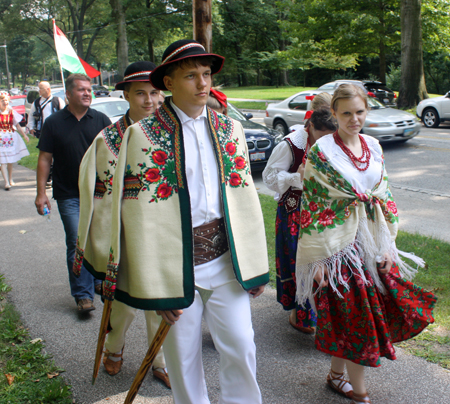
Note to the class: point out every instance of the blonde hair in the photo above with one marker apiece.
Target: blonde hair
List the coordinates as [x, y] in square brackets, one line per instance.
[321, 100]
[347, 91]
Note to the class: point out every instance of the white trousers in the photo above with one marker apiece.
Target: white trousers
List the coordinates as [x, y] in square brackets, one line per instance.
[122, 316]
[227, 314]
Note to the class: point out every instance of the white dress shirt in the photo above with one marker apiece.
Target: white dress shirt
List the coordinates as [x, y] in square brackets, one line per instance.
[46, 112]
[201, 168]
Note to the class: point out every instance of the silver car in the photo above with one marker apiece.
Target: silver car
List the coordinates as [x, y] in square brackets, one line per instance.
[384, 124]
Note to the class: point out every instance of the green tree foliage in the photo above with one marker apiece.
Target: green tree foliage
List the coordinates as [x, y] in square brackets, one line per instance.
[338, 34]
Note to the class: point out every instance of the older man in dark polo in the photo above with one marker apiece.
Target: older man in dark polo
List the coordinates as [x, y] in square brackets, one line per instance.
[65, 137]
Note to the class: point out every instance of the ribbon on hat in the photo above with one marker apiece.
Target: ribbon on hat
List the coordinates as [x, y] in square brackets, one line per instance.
[219, 96]
[137, 74]
[4, 94]
[182, 48]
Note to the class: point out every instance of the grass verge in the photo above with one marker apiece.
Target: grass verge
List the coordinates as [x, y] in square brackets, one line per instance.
[28, 375]
[249, 105]
[31, 160]
[433, 343]
[263, 93]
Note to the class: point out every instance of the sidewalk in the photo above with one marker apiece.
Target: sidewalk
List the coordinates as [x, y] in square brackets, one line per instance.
[290, 369]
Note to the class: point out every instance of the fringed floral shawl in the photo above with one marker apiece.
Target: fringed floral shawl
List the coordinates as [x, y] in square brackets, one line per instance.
[340, 226]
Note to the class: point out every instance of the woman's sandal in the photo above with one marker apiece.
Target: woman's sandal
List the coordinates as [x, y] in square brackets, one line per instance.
[361, 399]
[337, 382]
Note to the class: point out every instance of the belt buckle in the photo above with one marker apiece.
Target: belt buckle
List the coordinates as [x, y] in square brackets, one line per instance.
[218, 239]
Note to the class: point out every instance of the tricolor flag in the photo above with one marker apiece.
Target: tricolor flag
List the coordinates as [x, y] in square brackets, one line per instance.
[67, 57]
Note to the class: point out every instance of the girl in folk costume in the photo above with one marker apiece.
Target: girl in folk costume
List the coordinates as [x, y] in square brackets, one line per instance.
[284, 174]
[348, 265]
[12, 147]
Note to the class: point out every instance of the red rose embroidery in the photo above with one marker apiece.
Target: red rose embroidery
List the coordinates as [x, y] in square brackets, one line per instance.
[321, 156]
[240, 163]
[159, 157]
[296, 217]
[285, 300]
[313, 206]
[164, 191]
[235, 179]
[391, 207]
[326, 217]
[111, 181]
[305, 219]
[230, 148]
[152, 175]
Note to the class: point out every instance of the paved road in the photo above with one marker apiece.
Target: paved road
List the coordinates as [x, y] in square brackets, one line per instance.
[290, 370]
[419, 173]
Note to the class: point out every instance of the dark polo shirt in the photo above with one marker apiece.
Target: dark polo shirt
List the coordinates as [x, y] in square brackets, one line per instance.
[67, 139]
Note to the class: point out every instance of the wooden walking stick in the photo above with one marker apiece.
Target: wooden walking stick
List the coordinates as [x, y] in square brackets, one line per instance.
[153, 350]
[101, 337]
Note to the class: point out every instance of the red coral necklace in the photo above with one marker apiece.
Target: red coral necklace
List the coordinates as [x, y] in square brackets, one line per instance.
[362, 163]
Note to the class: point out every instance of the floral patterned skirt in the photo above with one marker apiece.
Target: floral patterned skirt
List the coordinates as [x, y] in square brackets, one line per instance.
[363, 326]
[12, 147]
[287, 226]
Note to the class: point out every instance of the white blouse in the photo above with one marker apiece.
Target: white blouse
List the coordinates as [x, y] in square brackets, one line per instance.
[276, 175]
[360, 180]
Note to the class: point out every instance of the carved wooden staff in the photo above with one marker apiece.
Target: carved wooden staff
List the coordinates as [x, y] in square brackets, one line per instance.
[153, 350]
[101, 337]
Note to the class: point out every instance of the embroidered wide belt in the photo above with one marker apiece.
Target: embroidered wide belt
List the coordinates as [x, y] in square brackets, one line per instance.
[210, 241]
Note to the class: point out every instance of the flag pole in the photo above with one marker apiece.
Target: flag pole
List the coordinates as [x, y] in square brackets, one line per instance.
[60, 67]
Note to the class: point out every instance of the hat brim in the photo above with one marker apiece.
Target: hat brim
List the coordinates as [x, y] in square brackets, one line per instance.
[157, 75]
[121, 84]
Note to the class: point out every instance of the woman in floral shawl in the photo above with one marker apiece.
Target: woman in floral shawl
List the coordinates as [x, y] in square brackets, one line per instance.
[348, 265]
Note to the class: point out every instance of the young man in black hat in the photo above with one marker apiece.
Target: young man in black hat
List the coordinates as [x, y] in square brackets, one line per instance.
[94, 226]
[188, 231]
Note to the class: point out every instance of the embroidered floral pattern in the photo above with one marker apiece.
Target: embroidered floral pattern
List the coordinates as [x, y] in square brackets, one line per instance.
[109, 285]
[320, 211]
[78, 259]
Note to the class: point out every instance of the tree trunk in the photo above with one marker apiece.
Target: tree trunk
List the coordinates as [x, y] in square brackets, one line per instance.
[118, 15]
[202, 22]
[99, 68]
[412, 84]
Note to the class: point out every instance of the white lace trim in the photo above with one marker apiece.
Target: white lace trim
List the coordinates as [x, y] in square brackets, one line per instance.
[299, 138]
[373, 249]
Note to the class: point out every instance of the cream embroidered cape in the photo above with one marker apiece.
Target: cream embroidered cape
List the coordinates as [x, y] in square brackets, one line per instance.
[339, 226]
[150, 257]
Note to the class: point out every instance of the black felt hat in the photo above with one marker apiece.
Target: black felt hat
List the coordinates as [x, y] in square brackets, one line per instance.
[182, 49]
[137, 71]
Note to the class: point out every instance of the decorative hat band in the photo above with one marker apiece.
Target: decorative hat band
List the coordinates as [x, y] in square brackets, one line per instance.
[137, 74]
[180, 49]
[4, 94]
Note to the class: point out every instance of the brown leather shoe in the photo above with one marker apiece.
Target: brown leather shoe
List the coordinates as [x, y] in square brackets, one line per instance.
[112, 367]
[85, 305]
[162, 375]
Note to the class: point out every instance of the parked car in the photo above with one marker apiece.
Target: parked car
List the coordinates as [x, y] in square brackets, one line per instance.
[17, 103]
[100, 91]
[15, 91]
[383, 123]
[116, 93]
[433, 111]
[260, 140]
[114, 108]
[374, 89]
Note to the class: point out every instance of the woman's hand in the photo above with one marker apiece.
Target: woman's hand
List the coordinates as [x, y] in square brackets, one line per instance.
[301, 171]
[255, 292]
[386, 264]
[321, 277]
[27, 139]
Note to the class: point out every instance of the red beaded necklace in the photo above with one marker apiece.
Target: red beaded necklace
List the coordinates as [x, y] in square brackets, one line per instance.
[363, 161]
